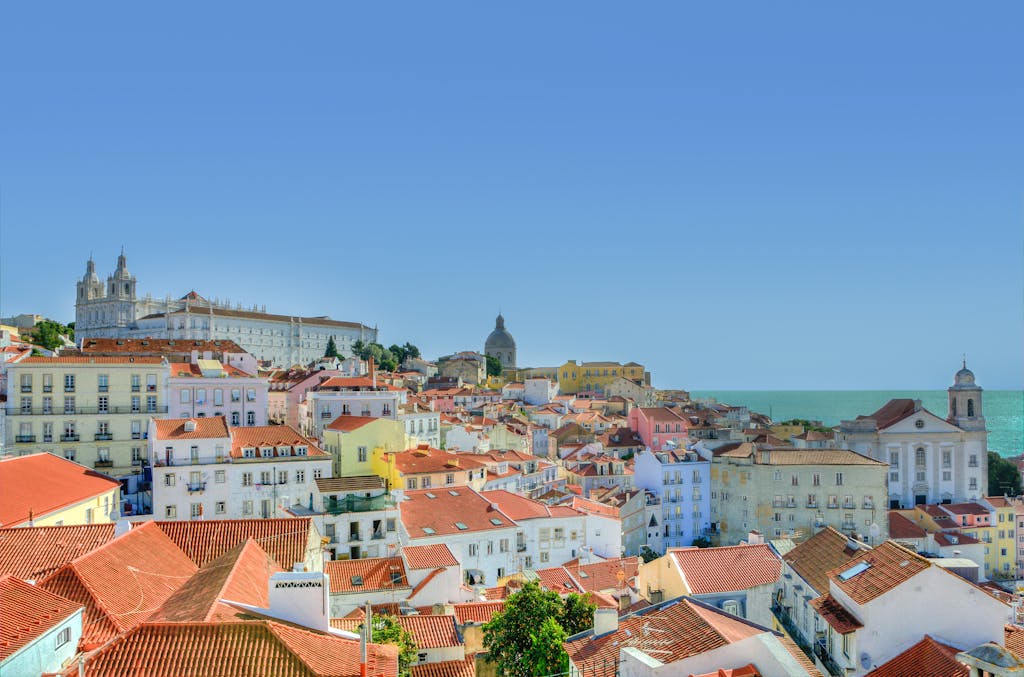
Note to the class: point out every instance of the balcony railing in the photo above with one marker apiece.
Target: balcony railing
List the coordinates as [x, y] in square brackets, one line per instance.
[69, 438]
[85, 411]
[103, 464]
[778, 503]
[849, 506]
[791, 629]
[23, 439]
[357, 504]
[520, 547]
[194, 487]
[821, 652]
[849, 526]
[26, 389]
[833, 506]
[47, 388]
[103, 436]
[869, 505]
[790, 504]
[812, 504]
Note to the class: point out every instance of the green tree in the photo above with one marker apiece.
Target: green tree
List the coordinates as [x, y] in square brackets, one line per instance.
[511, 637]
[386, 630]
[547, 654]
[411, 350]
[577, 614]
[332, 348]
[647, 555]
[47, 334]
[702, 542]
[386, 360]
[493, 366]
[1003, 476]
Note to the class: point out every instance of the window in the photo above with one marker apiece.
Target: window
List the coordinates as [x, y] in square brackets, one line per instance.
[136, 383]
[528, 563]
[474, 550]
[169, 479]
[503, 545]
[151, 383]
[150, 404]
[219, 476]
[282, 477]
[136, 407]
[972, 483]
[236, 395]
[300, 476]
[26, 405]
[186, 396]
[69, 405]
[47, 383]
[817, 479]
[919, 457]
[317, 473]
[200, 396]
[235, 419]
[136, 455]
[88, 515]
[449, 479]
[947, 458]
[839, 479]
[265, 477]
[196, 510]
[69, 383]
[972, 462]
[47, 404]
[63, 637]
[247, 479]
[250, 395]
[426, 482]
[246, 507]
[391, 524]
[778, 475]
[218, 397]
[919, 476]
[220, 507]
[795, 481]
[545, 556]
[362, 454]
[69, 454]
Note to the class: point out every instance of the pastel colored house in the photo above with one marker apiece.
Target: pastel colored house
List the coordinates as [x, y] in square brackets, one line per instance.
[660, 428]
[46, 490]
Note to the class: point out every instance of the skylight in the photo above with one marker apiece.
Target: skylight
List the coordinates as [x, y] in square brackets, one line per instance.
[495, 521]
[460, 526]
[428, 531]
[858, 568]
[430, 495]
[357, 580]
[453, 492]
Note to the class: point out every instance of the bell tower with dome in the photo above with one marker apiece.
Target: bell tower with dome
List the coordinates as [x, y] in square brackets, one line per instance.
[965, 410]
[501, 345]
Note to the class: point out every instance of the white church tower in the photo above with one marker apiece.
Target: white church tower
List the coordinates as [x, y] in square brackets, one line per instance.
[965, 410]
[98, 308]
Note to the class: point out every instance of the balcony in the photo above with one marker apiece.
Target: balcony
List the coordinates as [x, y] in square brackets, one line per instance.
[790, 504]
[822, 654]
[849, 526]
[84, 411]
[69, 389]
[136, 388]
[786, 621]
[103, 437]
[812, 504]
[357, 504]
[47, 388]
[69, 438]
[869, 505]
[24, 439]
[972, 464]
[194, 487]
[26, 389]
[103, 464]
[520, 547]
[849, 506]
[102, 389]
[833, 506]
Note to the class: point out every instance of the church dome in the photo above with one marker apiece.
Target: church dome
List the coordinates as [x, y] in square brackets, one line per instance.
[964, 378]
[499, 339]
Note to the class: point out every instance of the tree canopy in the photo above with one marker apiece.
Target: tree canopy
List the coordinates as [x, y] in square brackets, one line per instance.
[332, 348]
[527, 637]
[493, 366]
[1003, 476]
[387, 359]
[47, 334]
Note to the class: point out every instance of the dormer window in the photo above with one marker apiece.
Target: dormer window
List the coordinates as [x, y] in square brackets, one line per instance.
[249, 452]
[266, 452]
[300, 451]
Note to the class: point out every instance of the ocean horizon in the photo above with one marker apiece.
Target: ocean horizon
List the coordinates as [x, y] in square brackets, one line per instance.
[1003, 409]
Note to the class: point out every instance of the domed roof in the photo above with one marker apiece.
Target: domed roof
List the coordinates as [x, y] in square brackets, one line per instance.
[499, 339]
[964, 378]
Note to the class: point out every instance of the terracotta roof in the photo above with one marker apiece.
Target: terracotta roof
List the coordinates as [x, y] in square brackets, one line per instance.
[357, 382]
[521, 508]
[819, 554]
[1014, 639]
[158, 346]
[998, 501]
[927, 657]
[792, 456]
[189, 370]
[347, 424]
[426, 459]
[284, 539]
[93, 359]
[367, 575]
[210, 427]
[27, 612]
[966, 508]
[239, 575]
[34, 553]
[685, 628]
[479, 612]
[947, 538]
[604, 575]
[431, 632]
[227, 312]
[429, 556]
[835, 614]
[354, 483]
[892, 412]
[40, 484]
[449, 508]
[275, 436]
[237, 649]
[663, 414]
[463, 668]
[890, 565]
[727, 569]
[902, 527]
[122, 583]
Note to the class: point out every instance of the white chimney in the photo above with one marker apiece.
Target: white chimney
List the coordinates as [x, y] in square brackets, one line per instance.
[301, 597]
[122, 527]
[755, 538]
[605, 621]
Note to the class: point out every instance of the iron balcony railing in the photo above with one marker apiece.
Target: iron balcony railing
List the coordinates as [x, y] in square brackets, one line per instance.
[103, 436]
[193, 487]
[85, 411]
[69, 438]
[21, 439]
[103, 464]
[821, 652]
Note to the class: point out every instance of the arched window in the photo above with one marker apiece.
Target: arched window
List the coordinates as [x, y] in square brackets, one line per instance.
[970, 407]
[731, 606]
[954, 408]
[919, 457]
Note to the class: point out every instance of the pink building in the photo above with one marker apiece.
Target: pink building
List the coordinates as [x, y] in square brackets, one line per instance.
[208, 388]
[660, 428]
[969, 514]
[288, 391]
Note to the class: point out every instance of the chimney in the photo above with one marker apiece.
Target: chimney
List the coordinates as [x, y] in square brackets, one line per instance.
[121, 527]
[605, 621]
[755, 538]
[302, 598]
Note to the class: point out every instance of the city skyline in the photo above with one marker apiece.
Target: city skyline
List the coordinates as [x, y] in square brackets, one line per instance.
[738, 200]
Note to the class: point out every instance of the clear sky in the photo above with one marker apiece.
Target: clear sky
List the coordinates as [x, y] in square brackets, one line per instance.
[738, 195]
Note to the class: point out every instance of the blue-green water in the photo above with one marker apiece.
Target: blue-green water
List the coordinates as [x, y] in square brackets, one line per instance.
[1004, 409]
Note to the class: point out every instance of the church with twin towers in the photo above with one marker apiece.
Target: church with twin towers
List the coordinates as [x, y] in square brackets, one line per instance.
[113, 309]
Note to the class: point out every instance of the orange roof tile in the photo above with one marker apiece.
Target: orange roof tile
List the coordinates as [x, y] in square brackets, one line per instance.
[426, 459]
[901, 527]
[439, 512]
[431, 632]
[238, 649]
[189, 370]
[347, 424]
[93, 359]
[27, 612]
[32, 553]
[429, 556]
[477, 612]
[727, 569]
[286, 539]
[819, 554]
[463, 668]
[604, 575]
[366, 575]
[890, 565]
[123, 582]
[927, 657]
[836, 615]
[520, 507]
[211, 427]
[40, 484]
[256, 437]
[1014, 639]
[159, 346]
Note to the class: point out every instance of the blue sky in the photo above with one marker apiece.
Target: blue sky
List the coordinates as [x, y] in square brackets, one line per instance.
[738, 195]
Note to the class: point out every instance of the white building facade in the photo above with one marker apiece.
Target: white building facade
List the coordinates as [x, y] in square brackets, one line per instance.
[682, 480]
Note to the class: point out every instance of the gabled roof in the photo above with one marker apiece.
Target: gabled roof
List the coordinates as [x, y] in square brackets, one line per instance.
[427, 459]
[367, 575]
[347, 424]
[347, 484]
[890, 564]
[463, 668]
[428, 631]
[478, 612]
[92, 359]
[439, 512]
[32, 553]
[429, 556]
[891, 412]
[27, 612]
[238, 649]
[206, 428]
[1014, 639]
[122, 583]
[240, 575]
[927, 657]
[521, 507]
[726, 569]
[813, 559]
[156, 346]
[276, 436]
[190, 370]
[970, 508]
[902, 527]
[604, 575]
[202, 541]
[40, 484]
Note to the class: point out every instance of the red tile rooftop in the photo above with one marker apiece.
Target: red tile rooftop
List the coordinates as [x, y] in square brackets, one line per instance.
[888, 565]
[28, 612]
[727, 569]
[927, 657]
[287, 540]
[347, 424]
[40, 484]
[32, 553]
[429, 556]
[212, 427]
[367, 575]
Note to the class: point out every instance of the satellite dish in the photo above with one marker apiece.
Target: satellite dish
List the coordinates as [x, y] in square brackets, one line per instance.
[865, 660]
[874, 530]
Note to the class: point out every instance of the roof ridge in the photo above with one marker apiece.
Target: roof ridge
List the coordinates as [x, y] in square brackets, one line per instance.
[221, 592]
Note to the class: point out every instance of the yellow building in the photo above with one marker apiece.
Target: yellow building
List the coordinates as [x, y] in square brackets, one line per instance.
[1003, 549]
[44, 490]
[424, 467]
[574, 377]
[91, 410]
[356, 441]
